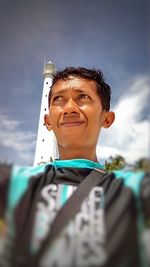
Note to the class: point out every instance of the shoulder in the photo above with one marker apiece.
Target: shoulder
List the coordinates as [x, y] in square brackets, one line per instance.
[131, 179]
[19, 182]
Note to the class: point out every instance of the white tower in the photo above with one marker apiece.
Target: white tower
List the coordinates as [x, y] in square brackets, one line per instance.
[46, 144]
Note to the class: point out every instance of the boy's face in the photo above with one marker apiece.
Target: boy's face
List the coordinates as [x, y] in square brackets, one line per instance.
[75, 113]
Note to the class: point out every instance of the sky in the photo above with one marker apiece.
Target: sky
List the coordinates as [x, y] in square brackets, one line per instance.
[109, 35]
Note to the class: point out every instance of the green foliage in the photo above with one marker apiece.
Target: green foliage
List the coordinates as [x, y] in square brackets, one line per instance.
[115, 163]
[142, 164]
[118, 162]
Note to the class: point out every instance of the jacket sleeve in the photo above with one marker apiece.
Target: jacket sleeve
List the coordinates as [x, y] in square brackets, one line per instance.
[145, 197]
[5, 174]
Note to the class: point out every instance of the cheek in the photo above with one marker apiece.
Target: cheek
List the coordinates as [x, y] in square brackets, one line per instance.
[93, 114]
[54, 114]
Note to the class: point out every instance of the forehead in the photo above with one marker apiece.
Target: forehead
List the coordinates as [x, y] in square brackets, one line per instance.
[75, 84]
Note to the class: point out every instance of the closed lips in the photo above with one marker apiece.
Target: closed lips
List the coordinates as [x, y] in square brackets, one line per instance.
[71, 123]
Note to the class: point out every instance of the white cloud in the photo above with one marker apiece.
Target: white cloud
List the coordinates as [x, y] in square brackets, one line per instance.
[129, 135]
[21, 144]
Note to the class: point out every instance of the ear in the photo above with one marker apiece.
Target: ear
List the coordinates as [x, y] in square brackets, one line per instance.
[108, 119]
[47, 122]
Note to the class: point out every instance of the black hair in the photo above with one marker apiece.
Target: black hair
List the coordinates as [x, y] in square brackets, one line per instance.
[103, 89]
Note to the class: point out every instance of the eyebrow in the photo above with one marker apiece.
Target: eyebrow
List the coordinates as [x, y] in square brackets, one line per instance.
[65, 90]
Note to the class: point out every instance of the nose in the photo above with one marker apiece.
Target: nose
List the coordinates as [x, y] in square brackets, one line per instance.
[71, 107]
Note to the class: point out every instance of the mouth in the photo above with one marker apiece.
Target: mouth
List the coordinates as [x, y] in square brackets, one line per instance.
[71, 123]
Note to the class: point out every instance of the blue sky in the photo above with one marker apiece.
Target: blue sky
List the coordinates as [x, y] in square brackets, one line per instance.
[105, 34]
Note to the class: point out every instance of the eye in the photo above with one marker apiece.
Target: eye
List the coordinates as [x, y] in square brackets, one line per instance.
[83, 96]
[57, 98]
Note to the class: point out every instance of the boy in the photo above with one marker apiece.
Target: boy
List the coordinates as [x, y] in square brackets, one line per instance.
[108, 228]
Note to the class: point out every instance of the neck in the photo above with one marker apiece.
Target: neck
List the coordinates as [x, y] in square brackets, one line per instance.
[89, 154]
